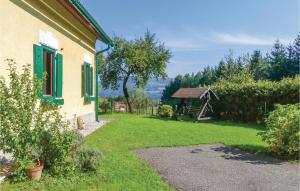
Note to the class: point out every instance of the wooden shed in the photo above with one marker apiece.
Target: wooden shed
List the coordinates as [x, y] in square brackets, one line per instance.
[203, 94]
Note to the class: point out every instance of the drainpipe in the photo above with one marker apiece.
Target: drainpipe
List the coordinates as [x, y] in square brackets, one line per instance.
[97, 81]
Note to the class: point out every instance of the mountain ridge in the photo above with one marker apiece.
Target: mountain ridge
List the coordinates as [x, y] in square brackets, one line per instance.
[153, 88]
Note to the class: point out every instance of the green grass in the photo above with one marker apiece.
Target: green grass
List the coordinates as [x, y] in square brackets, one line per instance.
[122, 170]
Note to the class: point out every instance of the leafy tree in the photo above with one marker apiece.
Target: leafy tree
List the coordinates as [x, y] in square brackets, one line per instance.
[139, 60]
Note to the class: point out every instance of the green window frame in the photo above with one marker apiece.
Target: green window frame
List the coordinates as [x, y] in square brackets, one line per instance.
[87, 82]
[57, 73]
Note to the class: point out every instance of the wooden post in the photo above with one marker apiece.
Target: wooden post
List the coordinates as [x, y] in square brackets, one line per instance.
[111, 105]
[152, 110]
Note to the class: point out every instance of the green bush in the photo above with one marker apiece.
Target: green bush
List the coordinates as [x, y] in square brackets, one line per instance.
[59, 147]
[165, 111]
[104, 104]
[250, 100]
[87, 159]
[283, 131]
[31, 130]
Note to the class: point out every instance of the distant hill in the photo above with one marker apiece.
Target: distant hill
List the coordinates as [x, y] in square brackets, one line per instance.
[154, 88]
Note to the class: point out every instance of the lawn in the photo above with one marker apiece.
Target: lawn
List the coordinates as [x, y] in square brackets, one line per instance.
[122, 170]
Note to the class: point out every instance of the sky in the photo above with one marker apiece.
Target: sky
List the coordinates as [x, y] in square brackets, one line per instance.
[200, 33]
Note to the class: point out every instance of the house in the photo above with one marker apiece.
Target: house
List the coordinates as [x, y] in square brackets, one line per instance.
[57, 37]
[120, 106]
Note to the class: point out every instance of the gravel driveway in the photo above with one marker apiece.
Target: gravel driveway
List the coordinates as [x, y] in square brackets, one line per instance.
[218, 167]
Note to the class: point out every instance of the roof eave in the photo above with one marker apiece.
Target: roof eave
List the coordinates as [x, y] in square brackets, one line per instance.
[106, 39]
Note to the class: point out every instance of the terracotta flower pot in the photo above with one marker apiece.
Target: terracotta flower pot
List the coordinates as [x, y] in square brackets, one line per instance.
[35, 172]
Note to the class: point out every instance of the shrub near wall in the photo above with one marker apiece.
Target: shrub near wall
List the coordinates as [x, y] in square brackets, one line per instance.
[251, 100]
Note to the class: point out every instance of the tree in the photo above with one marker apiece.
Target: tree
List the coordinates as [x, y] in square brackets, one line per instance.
[170, 89]
[293, 60]
[281, 62]
[139, 60]
[140, 99]
[278, 61]
[259, 66]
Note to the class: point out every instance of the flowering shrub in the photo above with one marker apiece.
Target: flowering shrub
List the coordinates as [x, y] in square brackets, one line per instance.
[165, 111]
[20, 118]
[30, 130]
[283, 131]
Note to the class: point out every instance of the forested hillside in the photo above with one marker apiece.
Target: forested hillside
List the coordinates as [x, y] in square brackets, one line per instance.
[282, 61]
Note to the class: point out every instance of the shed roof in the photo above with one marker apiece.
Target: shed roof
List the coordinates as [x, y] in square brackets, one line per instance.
[193, 93]
[189, 92]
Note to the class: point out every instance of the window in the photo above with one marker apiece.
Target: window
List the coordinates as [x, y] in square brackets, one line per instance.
[48, 69]
[87, 82]
[48, 66]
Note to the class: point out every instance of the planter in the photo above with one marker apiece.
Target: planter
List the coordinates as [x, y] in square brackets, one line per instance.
[35, 172]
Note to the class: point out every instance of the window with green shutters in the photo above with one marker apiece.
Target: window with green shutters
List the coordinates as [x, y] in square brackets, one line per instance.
[88, 82]
[48, 67]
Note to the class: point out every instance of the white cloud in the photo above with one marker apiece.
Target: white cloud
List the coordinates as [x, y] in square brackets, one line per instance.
[183, 44]
[193, 41]
[187, 38]
[246, 39]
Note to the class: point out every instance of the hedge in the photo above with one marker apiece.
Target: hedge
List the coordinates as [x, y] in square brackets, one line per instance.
[250, 101]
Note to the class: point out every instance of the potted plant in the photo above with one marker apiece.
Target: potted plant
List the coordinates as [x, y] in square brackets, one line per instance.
[35, 164]
[31, 130]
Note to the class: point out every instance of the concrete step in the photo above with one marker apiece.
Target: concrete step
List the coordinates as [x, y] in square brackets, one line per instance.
[92, 126]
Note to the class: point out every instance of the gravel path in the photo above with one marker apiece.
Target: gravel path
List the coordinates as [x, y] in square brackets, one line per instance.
[220, 168]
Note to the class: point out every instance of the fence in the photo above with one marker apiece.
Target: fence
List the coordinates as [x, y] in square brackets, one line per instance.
[109, 105]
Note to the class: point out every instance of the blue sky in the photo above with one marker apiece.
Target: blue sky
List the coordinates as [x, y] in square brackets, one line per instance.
[200, 32]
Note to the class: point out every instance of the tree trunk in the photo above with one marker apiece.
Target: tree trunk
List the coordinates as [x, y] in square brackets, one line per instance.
[126, 94]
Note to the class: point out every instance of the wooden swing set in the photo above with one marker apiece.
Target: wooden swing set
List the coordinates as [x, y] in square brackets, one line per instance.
[203, 94]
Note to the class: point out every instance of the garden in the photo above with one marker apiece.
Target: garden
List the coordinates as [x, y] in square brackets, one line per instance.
[120, 169]
[259, 116]
[75, 163]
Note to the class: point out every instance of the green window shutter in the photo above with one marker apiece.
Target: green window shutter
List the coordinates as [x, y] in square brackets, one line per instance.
[85, 68]
[38, 65]
[87, 81]
[54, 80]
[38, 62]
[59, 75]
[82, 80]
[91, 81]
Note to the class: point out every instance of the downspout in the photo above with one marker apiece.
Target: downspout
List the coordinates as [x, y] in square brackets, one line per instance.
[97, 81]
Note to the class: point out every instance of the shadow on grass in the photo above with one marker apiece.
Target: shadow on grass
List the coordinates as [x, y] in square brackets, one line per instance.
[212, 121]
[237, 124]
[158, 118]
[179, 119]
